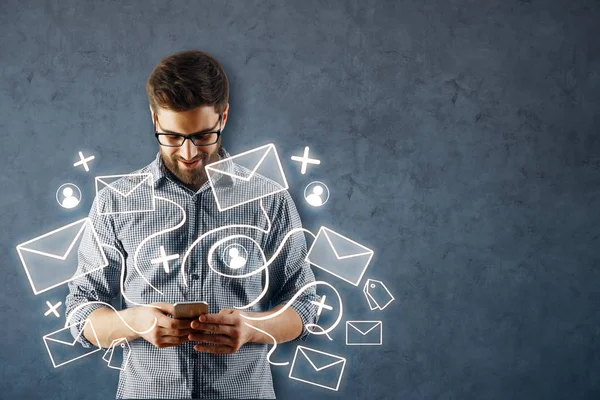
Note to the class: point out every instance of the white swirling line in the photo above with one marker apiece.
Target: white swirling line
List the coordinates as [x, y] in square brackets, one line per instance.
[287, 305]
[211, 251]
[121, 284]
[137, 250]
[265, 267]
[181, 223]
[270, 353]
[188, 251]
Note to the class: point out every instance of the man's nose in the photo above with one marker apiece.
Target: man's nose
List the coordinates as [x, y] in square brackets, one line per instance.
[188, 150]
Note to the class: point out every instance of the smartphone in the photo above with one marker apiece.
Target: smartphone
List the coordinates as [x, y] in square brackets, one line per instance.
[190, 309]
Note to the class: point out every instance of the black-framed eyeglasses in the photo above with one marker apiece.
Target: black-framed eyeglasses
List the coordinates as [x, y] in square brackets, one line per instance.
[173, 139]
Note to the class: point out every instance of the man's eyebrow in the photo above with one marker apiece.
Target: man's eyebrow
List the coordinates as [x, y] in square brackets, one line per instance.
[195, 133]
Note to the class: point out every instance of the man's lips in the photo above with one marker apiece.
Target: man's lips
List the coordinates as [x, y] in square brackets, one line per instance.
[188, 164]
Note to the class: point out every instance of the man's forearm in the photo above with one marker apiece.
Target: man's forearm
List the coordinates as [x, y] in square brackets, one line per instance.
[284, 327]
[108, 326]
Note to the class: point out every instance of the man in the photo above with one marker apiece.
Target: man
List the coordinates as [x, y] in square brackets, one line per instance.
[217, 355]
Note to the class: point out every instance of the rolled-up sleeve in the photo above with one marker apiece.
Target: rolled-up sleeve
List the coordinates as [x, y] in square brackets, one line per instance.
[290, 270]
[102, 284]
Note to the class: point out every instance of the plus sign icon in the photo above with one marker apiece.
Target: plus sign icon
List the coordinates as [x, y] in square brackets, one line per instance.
[305, 160]
[83, 161]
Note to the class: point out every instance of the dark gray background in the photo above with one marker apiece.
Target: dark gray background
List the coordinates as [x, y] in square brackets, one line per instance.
[459, 140]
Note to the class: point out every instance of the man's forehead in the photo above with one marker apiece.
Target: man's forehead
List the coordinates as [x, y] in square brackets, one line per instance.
[203, 112]
[200, 118]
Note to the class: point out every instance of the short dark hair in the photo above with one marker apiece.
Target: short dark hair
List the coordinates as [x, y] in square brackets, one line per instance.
[187, 80]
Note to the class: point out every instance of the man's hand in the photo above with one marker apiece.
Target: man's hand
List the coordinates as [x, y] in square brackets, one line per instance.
[168, 332]
[224, 332]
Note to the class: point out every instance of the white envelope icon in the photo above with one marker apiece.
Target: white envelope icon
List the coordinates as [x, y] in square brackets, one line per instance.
[255, 173]
[317, 368]
[121, 346]
[124, 194]
[63, 349]
[339, 256]
[50, 260]
[364, 333]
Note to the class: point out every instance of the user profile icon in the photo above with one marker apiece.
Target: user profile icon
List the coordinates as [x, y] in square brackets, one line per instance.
[68, 195]
[316, 194]
[235, 256]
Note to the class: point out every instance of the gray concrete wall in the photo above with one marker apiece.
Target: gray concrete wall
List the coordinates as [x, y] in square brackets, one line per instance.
[459, 140]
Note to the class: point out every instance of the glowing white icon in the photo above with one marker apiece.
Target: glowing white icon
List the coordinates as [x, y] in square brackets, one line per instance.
[316, 194]
[364, 333]
[52, 308]
[317, 368]
[305, 160]
[321, 305]
[62, 347]
[118, 354]
[235, 256]
[340, 256]
[50, 262]
[256, 174]
[68, 195]
[377, 294]
[164, 259]
[83, 161]
[129, 193]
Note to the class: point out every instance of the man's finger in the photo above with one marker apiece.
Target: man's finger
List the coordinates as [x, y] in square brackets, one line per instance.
[172, 323]
[196, 324]
[221, 349]
[214, 328]
[176, 332]
[165, 308]
[209, 338]
[221, 319]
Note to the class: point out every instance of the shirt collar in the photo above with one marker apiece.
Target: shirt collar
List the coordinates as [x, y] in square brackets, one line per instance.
[160, 171]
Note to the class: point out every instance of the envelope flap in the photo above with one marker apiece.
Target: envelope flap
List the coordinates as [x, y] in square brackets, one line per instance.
[318, 359]
[224, 167]
[344, 247]
[63, 336]
[57, 243]
[250, 161]
[124, 185]
[364, 327]
[69, 342]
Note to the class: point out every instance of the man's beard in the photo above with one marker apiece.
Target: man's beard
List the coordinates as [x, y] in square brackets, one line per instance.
[195, 177]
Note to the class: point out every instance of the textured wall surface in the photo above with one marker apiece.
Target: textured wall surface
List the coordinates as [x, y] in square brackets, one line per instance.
[459, 139]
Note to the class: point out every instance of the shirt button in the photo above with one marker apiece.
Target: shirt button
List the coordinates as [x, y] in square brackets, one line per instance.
[195, 277]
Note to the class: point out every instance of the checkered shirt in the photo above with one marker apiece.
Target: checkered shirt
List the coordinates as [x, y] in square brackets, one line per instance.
[180, 371]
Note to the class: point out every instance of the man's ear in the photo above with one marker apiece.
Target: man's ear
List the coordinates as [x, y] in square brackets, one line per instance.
[152, 114]
[225, 114]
